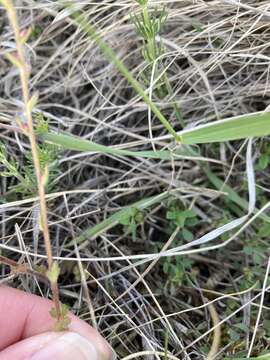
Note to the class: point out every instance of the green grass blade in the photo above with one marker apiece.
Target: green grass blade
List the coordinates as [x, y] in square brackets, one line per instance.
[92, 33]
[232, 195]
[72, 142]
[257, 124]
[116, 217]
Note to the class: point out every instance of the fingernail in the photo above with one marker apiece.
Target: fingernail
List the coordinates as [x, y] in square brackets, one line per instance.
[69, 346]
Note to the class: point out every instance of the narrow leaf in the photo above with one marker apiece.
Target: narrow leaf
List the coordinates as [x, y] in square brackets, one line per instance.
[75, 143]
[232, 195]
[257, 124]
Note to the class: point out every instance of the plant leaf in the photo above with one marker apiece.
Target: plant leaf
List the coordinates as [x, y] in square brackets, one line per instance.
[232, 195]
[256, 124]
[75, 143]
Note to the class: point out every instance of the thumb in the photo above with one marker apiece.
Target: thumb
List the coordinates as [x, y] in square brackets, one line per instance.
[58, 346]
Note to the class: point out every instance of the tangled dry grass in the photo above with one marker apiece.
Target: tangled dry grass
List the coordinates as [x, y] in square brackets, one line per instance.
[217, 58]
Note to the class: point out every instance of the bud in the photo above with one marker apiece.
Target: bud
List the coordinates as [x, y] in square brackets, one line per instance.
[25, 34]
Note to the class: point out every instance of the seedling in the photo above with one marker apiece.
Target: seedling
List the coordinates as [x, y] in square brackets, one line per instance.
[179, 268]
[131, 221]
[185, 219]
[149, 25]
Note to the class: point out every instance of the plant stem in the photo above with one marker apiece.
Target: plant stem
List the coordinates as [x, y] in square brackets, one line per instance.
[17, 268]
[24, 77]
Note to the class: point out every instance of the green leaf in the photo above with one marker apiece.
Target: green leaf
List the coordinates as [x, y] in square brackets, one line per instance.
[125, 220]
[32, 102]
[257, 124]
[142, 2]
[241, 127]
[264, 231]
[263, 161]
[188, 214]
[171, 215]
[248, 250]
[187, 235]
[231, 194]
[166, 267]
[180, 220]
[72, 142]
[14, 59]
[242, 327]
[234, 335]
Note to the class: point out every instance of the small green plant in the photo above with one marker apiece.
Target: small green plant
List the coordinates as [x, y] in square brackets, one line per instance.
[142, 2]
[184, 219]
[131, 221]
[149, 25]
[91, 32]
[179, 269]
[26, 181]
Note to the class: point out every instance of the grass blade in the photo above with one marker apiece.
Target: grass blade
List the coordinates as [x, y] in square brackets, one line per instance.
[232, 195]
[71, 142]
[257, 124]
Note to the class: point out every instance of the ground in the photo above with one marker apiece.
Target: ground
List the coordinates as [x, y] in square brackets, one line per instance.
[122, 225]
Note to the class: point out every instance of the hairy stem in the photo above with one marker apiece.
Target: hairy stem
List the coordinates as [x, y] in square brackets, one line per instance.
[24, 77]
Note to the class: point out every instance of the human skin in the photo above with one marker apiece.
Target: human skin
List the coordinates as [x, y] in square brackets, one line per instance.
[25, 321]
